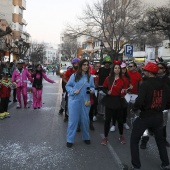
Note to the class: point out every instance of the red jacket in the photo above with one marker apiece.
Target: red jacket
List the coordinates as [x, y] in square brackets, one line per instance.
[116, 88]
[126, 82]
[5, 91]
[135, 80]
[68, 73]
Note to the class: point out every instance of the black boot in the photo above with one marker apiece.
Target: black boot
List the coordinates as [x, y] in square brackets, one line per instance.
[61, 111]
[144, 141]
[91, 126]
[78, 128]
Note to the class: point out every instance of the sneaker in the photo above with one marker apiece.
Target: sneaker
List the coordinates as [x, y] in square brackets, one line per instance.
[7, 115]
[104, 141]
[165, 167]
[125, 125]
[112, 129]
[88, 142]
[94, 118]
[122, 140]
[69, 145]
[2, 116]
[167, 144]
[61, 111]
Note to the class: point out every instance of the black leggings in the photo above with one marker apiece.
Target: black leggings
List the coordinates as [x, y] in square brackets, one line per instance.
[4, 104]
[91, 113]
[118, 115]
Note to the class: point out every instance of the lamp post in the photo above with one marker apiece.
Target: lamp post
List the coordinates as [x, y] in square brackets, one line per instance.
[101, 51]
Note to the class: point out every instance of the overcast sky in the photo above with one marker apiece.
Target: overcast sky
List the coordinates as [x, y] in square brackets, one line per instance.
[46, 18]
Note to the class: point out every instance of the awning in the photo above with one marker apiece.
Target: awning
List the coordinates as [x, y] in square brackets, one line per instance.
[166, 57]
[139, 54]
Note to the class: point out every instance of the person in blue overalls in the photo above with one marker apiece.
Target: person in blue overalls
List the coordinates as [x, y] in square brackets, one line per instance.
[79, 88]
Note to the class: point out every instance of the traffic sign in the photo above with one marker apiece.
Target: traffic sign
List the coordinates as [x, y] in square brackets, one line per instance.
[129, 50]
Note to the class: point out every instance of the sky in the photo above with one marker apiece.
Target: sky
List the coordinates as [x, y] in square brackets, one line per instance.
[47, 18]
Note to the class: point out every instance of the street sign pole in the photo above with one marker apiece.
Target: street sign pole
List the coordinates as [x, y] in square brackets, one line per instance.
[129, 51]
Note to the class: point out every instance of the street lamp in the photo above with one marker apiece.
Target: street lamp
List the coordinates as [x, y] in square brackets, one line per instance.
[101, 51]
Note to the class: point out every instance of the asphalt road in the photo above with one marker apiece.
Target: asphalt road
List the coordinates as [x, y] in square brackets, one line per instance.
[36, 140]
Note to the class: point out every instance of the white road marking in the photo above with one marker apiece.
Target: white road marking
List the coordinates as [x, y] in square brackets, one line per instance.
[114, 154]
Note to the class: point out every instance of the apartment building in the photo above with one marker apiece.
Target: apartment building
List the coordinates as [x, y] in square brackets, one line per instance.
[50, 55]
[12, 11]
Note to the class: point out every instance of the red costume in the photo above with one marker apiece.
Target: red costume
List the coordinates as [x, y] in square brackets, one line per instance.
[135, 79]
[116, 87]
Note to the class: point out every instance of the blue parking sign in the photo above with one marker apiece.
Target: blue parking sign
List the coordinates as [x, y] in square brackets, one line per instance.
[129, 50]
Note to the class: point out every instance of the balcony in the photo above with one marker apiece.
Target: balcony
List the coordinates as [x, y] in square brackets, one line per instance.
[23, 22]
[20, 3]
[17, 3]
[24, 4]
[16, 18]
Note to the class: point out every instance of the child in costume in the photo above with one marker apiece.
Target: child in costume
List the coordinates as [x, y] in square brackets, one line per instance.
[5, 91]
[29, 87]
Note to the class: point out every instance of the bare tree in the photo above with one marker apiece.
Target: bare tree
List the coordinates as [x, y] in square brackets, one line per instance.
[156, 21]
[69, 47]
[6, 32]
[111, 22]
[36, 52]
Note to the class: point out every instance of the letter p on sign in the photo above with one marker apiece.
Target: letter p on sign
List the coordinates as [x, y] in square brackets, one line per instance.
[129, 50]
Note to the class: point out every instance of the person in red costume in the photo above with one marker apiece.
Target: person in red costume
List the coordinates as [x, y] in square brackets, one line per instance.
[5, 93]
[136, 78]
[66, 77]
[113, 86]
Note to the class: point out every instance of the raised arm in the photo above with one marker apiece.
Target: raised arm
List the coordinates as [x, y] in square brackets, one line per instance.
[46, 78]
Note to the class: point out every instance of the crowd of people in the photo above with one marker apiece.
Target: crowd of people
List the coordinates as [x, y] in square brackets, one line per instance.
[150, 84]
[26, 81]
[83, 84]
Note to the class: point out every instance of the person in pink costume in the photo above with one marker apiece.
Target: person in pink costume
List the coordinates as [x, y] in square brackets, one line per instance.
[37, 86]
[20, 76]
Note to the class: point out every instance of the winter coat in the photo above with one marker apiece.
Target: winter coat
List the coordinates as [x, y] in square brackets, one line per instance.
[21, 77]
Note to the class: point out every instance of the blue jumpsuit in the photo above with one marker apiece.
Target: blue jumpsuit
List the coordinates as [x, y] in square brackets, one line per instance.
[78, 112]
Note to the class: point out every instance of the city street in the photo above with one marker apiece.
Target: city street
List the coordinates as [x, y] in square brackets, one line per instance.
[36, 140]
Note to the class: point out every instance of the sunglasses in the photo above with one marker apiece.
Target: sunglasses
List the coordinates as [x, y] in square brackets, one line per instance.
[161, 68]
[130, 66]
